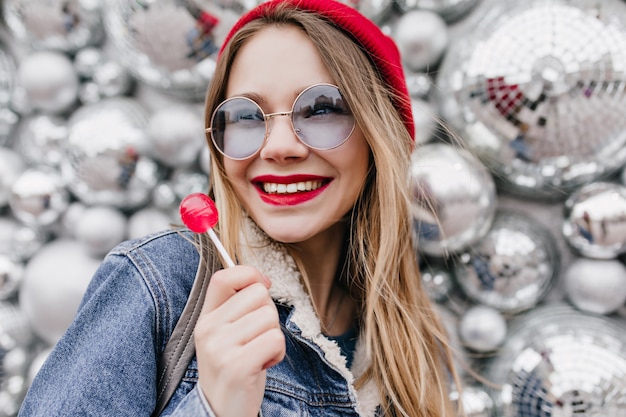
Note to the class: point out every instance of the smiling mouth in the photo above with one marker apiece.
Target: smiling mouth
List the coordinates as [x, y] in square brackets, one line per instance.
[292, 188]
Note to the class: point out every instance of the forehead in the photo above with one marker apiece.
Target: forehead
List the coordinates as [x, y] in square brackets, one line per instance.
[274, 60]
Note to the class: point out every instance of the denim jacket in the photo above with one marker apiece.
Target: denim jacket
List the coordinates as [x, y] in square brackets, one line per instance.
[105, 364]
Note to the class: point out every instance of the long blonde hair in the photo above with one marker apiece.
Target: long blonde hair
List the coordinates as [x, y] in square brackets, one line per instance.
[411, 360]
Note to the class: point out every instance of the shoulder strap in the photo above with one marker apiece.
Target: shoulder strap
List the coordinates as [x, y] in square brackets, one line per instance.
[180, 348]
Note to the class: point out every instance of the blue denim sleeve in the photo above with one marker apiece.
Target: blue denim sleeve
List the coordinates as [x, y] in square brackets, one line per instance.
[105, 364]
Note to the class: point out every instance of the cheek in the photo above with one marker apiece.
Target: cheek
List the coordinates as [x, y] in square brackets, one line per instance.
[236, 174]
[235, 170]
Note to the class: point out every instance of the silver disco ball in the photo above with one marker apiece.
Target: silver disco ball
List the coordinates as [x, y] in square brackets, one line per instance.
[8, 119]
[595, 220]
[513, 267]
[169, 44]
[376, 10]
[538, 89]
[454, 198]
[63, 25]
[560, 362]
[15, 340]
[450, 10]
[105, 159]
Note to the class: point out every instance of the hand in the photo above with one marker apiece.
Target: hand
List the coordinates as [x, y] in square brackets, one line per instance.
[237, 338]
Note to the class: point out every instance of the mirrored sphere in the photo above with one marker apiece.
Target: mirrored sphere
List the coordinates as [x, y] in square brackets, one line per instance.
[54, 24]
[106, 158]
[18, 241]
[147, 221]
[437, 282]
[112, 79]
[537, 89]
[422, 38]
[14, 323]
[595, 220]
[8, 118]
[53, 91]
[11, 274]
[168, 44]
[376, 10]
[475, 399]
[453, 198]
[450, 10]
[482, 328]
[11, 167]
[38, 197]
[13, 358]
[87, 60]
[176, 134]
[40, 139]
[419, 84]
[100, 229]
[596, 285]
[51, 291]
[513, 267]
[557, 361]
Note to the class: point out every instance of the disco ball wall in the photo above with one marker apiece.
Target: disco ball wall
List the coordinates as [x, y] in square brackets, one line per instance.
[519, 196]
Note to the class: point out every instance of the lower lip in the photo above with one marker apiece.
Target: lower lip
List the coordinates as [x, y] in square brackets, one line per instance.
[290, 199]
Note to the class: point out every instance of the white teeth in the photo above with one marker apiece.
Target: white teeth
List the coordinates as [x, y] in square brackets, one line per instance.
[273, 188]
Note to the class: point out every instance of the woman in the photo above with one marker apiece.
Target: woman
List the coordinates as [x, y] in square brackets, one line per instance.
[310, 130]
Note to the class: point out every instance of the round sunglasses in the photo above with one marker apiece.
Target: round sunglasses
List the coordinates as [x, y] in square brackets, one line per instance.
[320, 118]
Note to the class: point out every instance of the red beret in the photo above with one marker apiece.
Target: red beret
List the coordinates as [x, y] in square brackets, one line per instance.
[382, 49]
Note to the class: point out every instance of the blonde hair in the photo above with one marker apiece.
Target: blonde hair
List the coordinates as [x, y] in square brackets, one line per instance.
[411, 360]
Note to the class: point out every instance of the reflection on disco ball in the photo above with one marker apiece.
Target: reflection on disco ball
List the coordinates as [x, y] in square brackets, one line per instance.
[11, 167]
[475, 400]
[18, 241]
[595, 220]
[561, 362]
[422, 38]
[513, 267]
[537, 89]
[38, 197]
[169, 44]
[450, 10]
[175, 134]
[375, 10]
[453, 198]
[596, 286]
[51, 291]
[11, 274]
[54, 24]
[15, 337]
[8, 119]
[53, 91]
[105, 161]
[39, 139]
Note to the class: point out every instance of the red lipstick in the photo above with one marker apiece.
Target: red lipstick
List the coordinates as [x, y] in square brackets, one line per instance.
[289, 199]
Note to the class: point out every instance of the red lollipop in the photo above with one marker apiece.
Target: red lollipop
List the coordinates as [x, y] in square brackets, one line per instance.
[199, 214]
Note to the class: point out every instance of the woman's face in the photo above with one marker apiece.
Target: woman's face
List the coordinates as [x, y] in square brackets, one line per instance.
[273, 67]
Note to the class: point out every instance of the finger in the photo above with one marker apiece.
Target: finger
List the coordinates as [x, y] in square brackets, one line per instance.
[227, 282]
[245, 301]
[255, 323]
[262, 352]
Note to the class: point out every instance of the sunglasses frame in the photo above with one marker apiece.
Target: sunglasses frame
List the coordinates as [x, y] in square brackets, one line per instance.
[268, 116]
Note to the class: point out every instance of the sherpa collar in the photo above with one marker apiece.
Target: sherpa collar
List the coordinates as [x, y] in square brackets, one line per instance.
[273, 261]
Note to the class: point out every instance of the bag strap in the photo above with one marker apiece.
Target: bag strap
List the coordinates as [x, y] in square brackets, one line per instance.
[180, 347]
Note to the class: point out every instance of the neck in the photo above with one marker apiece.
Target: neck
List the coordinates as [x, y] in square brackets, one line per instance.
[322, 257]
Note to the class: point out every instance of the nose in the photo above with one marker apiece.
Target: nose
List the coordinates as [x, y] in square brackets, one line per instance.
[282, 144]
